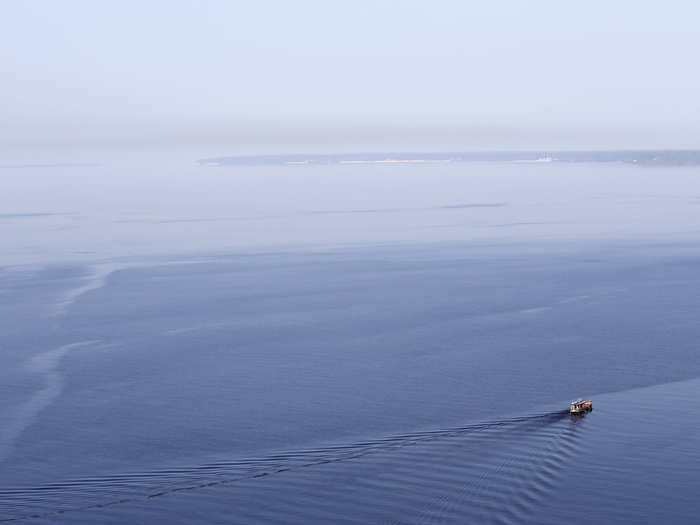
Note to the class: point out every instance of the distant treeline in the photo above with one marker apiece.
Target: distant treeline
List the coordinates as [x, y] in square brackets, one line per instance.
[646, 157]
[643, 157]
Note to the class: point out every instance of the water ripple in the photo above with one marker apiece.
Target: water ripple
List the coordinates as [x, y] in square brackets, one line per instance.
[497, 468]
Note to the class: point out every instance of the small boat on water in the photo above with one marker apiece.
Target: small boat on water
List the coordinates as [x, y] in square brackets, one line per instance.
[580, 406]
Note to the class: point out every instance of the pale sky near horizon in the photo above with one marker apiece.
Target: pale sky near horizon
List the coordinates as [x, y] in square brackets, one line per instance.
[322, 75]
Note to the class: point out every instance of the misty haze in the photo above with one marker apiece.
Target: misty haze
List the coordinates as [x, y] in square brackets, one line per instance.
[333, 262]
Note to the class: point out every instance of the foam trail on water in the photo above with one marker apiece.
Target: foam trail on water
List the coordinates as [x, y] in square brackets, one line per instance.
[100, 272]
[24, 414]
[97, 279]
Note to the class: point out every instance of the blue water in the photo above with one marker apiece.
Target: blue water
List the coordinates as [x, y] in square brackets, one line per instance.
[361, 382]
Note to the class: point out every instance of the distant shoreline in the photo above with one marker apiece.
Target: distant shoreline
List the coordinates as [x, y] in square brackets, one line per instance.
[641, 157]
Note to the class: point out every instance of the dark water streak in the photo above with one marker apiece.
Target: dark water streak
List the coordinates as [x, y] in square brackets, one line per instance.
[171, 481]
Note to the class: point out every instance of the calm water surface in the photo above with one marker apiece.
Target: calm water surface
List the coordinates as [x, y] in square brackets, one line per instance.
[355, 378]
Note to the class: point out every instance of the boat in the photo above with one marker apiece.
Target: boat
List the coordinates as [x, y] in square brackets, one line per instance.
[580, 406]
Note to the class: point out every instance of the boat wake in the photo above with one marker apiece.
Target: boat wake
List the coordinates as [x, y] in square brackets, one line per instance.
[497, 468]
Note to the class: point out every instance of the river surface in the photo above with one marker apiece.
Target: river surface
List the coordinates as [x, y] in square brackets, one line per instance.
[343, 344]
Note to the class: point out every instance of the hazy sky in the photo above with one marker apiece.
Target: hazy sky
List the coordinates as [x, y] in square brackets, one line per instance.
[320, 75]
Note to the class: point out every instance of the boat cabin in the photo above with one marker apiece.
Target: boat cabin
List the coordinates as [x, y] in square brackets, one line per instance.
[580, 406]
